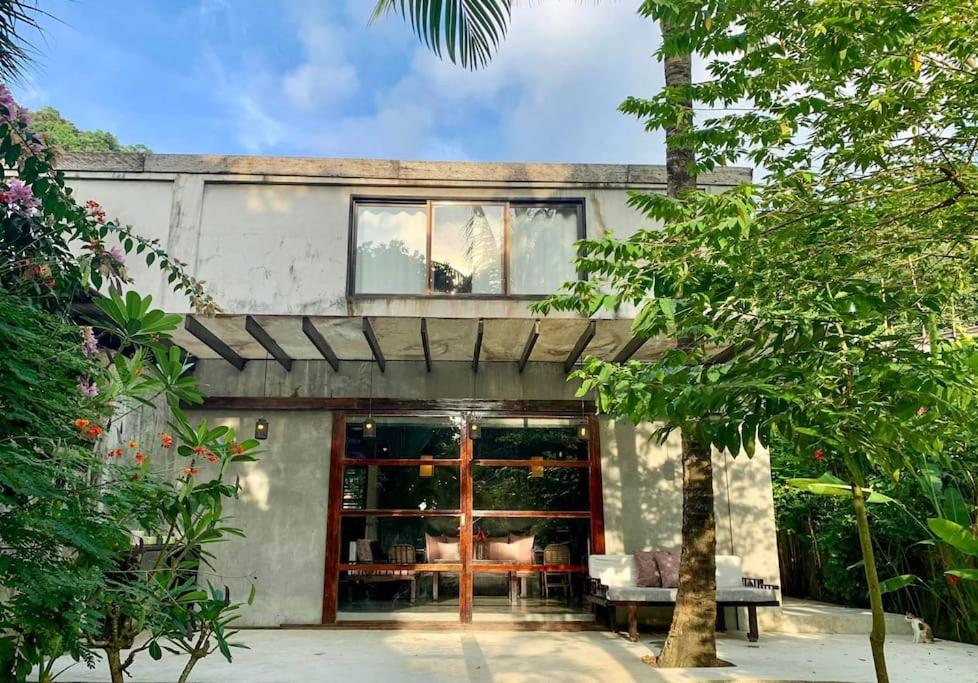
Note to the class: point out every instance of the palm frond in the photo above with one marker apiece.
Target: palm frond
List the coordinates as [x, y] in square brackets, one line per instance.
[16, 17]
[468, 31]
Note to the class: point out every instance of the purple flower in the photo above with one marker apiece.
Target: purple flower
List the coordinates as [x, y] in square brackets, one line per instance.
[89, 343]
[117, 254]
[87, 388]
[20, 195]
[6, 99]
[22, 115]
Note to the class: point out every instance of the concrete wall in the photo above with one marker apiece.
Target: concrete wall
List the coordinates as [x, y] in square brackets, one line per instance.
[283, 503]
[270, 235]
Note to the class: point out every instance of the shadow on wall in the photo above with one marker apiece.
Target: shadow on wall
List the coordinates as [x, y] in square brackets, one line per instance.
[643, 498]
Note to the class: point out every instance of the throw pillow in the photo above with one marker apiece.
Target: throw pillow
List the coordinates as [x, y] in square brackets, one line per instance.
[668, 563]
[448, 550]
[648, 569]
[521, 548]
[364, 552]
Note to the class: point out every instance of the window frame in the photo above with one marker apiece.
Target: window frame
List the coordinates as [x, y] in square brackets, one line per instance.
[356, 201]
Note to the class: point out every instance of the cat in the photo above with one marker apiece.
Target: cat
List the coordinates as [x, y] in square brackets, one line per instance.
[922, 633]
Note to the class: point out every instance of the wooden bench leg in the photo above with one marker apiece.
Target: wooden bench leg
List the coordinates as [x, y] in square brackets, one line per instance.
[633, 622]
[721, 619]
[752, 634]
[609, 615]
[434, 585]
[414, 590]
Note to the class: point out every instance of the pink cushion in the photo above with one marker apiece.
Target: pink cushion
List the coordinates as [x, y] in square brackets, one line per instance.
[522, 549]
[448, 550]
[499, 550]
[432, 549]
[668, 563]
[648, 569]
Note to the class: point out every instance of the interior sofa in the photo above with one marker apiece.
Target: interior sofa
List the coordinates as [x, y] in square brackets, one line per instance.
[613, 583]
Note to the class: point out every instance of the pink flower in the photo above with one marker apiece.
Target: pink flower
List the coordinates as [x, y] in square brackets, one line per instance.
[93, 209]
[19, 195]
[22, 115]
[921, 411]
[118, 255]
[6, 99]
[819, 454]
[89, 343]
[87, 388]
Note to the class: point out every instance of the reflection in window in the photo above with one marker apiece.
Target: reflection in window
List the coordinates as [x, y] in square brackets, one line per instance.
[467, 249]
[519, 488]
[404, 438]
[401, 488]
[530, 439]
[391, 245]
[542, 248]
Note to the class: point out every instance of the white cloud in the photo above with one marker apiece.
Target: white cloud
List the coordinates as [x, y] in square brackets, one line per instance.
[326, 78]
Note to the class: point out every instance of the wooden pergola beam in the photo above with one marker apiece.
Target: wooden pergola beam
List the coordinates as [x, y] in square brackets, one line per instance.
[477, 351]
[582, 342]
[425, 345]
[371, 337]
[260, 335]
[213, 342]
[531, 341]
[317, 340]
[629, 349]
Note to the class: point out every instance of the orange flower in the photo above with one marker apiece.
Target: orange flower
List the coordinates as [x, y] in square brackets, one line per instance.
[81, 423]
[133, 444]
[93, 431]
[115, 453]
[199, 450]
[237, 448]
[210, 456]
[140, 458]
[165, 439]
[190, 471]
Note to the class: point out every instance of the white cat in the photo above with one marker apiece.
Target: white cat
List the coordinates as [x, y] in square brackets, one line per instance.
[921, 631]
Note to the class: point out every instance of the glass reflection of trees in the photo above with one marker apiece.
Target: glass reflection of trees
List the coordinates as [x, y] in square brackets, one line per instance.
[528, 443]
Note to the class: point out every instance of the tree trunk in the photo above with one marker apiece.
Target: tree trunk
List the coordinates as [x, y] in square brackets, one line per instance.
[692, 636]
[877, 635]
[115, 665]
[185, 674]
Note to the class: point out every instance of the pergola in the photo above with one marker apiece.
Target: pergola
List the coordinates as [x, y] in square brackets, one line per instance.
[239, 339]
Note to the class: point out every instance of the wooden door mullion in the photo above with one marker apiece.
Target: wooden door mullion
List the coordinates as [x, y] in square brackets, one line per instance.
[465, 530]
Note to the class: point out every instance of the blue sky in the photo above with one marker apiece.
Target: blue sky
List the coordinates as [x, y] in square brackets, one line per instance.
[311, 78]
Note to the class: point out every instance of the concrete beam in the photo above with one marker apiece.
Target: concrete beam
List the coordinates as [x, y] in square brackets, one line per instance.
[425, 345]
[212, 341]
[581, 344]
[317, 339]
[531, 341]
[477, 351]
[262, 337]
[371, 337]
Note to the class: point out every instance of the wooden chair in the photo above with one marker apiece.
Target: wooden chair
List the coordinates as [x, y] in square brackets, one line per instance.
[557, 553]
[401, 553]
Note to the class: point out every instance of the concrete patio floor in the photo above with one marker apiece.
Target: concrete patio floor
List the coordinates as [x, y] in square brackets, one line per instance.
[409, 656]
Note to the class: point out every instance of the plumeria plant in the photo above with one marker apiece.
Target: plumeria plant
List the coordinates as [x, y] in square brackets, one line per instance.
[104, 534]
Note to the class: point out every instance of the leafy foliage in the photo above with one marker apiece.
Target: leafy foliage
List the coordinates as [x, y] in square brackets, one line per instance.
[101, 541]
[64, 135]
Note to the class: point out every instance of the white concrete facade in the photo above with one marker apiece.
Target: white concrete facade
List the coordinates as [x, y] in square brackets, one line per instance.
[270, 238]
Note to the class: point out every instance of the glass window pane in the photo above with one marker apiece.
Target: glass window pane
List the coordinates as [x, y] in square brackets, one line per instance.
[391, 244]
[523, 488]
[467, 248]
[424, 487]
[541, 248]
[382, 534]
[530, 439]
[404, 438]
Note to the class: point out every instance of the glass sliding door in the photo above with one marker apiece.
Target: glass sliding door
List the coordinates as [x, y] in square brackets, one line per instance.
[461, 517]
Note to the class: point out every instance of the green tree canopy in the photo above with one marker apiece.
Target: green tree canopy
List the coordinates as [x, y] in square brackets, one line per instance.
[61, 133]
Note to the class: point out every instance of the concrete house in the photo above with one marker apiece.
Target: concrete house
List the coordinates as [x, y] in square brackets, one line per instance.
[426, 457]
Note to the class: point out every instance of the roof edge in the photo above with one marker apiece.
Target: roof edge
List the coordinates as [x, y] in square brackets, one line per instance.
[328, 167]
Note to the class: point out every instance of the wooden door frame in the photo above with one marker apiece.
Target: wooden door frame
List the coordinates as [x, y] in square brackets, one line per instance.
[337, 463]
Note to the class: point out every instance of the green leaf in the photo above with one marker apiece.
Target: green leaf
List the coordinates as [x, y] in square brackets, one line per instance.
[968, 574]
[954, 535]
[154, 651]
[955, 507]
[895, 583]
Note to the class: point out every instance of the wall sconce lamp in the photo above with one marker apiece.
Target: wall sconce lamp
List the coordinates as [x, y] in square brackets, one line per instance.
[584, 431]
[474, 430]
[536, 471]
[426, 470]
[369, 428]
[261, 429]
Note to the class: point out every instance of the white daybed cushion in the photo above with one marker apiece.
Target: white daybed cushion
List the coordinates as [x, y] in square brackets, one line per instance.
[620, 570]
[643, 594]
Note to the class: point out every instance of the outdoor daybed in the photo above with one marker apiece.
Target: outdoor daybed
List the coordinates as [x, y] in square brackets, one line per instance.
[613, 582]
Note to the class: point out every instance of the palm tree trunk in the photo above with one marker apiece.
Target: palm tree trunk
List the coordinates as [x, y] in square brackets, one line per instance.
[877, 634]
[692, 635]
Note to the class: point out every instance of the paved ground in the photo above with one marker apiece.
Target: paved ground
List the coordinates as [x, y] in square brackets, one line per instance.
[541, 657]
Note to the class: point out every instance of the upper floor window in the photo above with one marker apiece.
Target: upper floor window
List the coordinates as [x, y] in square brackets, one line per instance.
[492, 248]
